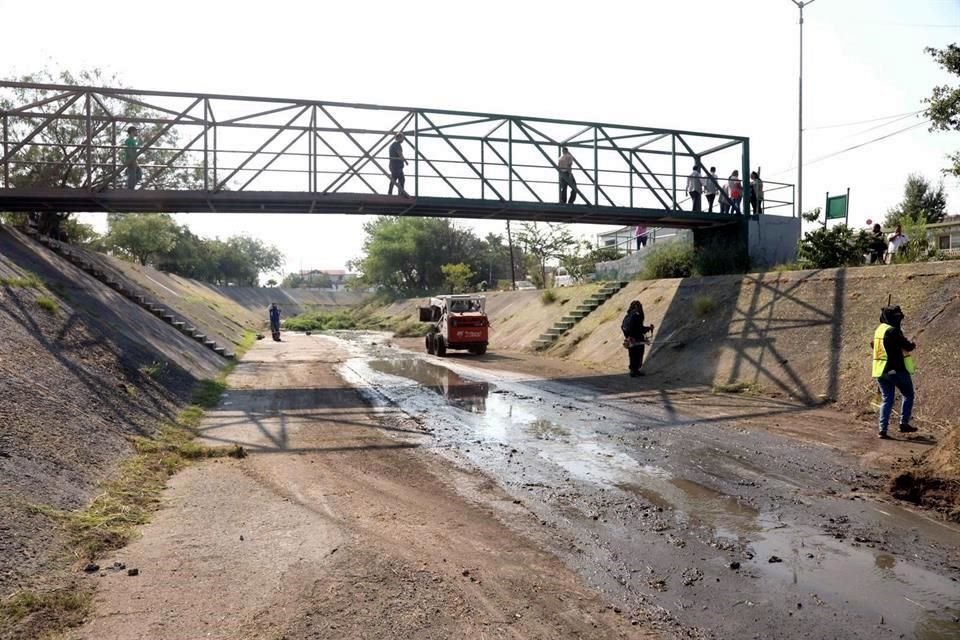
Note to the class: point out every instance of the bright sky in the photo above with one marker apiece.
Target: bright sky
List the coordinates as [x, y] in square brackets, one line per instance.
[723, 66]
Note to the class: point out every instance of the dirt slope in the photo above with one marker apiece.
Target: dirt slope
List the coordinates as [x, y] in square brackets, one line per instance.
[292, 301]
[73, 387]
[517, 317]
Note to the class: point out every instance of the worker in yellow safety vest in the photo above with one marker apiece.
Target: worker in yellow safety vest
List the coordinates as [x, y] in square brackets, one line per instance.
[893, 368]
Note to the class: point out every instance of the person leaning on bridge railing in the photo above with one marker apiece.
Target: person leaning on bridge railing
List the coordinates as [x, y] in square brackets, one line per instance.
[565, 170]
[130, 148]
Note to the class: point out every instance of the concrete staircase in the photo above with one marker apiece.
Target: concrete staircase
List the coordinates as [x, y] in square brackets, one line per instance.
[137, 297]
[585, 308]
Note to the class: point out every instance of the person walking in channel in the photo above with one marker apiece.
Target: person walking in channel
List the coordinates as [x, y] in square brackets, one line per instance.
[695, 187]
[565, 174]
[641, 235]
[756, 193]
[893, 368]
[634, 332]
[131, 167]
[735, 190]
[711, 187]
[274, 312]
[397, 162]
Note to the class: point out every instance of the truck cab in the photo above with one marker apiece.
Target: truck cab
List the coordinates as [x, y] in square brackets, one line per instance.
[459, 322]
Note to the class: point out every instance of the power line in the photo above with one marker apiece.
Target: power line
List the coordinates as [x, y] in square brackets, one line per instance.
[850, 124]
[856, 146]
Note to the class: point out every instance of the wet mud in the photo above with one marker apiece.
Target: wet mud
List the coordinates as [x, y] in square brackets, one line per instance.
[704, 530]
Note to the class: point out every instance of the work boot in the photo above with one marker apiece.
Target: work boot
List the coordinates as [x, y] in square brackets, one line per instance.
[883, 435]
[907, 428]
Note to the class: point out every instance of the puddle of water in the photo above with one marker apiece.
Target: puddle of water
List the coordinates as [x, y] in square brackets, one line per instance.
[469, 395]
[694, 503]
[921, 602]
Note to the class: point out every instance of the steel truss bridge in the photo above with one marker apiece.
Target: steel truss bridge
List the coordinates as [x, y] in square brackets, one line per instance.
[62, 152]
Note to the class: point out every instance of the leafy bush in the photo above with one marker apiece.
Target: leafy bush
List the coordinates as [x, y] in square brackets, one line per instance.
[837, 246]
[548, 296]
[411, 329]
[670, 260]
[704, 306]
[322, 321]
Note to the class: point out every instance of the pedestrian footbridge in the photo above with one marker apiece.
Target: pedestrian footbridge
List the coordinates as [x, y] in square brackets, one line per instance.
[63, 151]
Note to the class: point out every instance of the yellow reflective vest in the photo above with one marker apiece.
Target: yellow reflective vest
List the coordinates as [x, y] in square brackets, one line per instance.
[880, 352]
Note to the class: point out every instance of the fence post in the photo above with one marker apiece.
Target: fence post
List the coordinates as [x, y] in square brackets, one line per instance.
[6, 160]
[416, 154]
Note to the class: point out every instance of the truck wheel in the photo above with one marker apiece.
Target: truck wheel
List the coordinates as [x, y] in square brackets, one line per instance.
[480, 350]
[441, 346]
[429, 343]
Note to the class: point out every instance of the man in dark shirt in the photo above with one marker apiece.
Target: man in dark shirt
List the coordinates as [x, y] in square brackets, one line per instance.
[274, 311]
[397, 162]
[634, 332]
[893, 368]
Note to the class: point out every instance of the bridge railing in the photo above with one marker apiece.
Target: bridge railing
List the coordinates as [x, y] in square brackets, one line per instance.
[63, 136]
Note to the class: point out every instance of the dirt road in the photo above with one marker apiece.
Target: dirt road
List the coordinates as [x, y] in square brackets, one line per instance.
[342, 523]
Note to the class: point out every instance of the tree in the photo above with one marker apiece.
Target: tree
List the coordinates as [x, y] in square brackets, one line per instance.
[544, 243]
[141, 236]
[920, 203]
[311, 280]
[271, 282]
[943, 108]
[836, 246]
[582, 261]
[404, 256]
[56, 156]
[458, 276]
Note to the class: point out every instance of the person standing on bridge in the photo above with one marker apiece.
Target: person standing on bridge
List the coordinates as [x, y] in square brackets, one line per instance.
[695, 187]
[565, 170]
[130, 149]
[641, 235]
[893, 368]
[634, 336]
[735, 191]
[397, 162]
[756, 193]
[711, 187]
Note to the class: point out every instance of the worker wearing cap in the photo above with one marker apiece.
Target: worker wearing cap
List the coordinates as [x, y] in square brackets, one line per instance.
[893, 368]
[130, 149]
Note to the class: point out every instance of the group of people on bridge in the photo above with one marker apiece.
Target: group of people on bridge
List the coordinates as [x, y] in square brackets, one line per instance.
[730, 194]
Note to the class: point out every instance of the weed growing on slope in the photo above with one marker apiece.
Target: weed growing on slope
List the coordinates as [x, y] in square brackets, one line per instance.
[48, 304]
[704, 305]
[27, 281]
[549, 296]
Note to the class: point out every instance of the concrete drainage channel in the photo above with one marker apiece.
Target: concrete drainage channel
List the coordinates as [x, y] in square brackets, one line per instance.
[725, 533]
[138, 298]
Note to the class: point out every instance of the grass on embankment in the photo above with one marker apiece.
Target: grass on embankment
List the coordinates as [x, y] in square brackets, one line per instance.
[124, 501]
[356, 319]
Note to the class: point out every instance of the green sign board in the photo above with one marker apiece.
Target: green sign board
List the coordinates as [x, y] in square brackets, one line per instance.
[836, 207]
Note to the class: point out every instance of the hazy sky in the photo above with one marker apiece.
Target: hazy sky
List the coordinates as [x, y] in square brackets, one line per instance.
[724, 66]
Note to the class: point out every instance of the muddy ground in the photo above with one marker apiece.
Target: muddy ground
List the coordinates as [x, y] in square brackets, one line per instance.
[392, 494]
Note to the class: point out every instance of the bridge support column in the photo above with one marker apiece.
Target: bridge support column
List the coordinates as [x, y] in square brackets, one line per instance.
[729, 242]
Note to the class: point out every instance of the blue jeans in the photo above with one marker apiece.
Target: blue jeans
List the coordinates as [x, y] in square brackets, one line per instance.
[889, 384]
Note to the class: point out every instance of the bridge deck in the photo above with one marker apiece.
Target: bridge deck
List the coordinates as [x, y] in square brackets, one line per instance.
[175, 201]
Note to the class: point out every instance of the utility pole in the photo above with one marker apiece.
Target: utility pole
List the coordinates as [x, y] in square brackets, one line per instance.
[800, 5]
